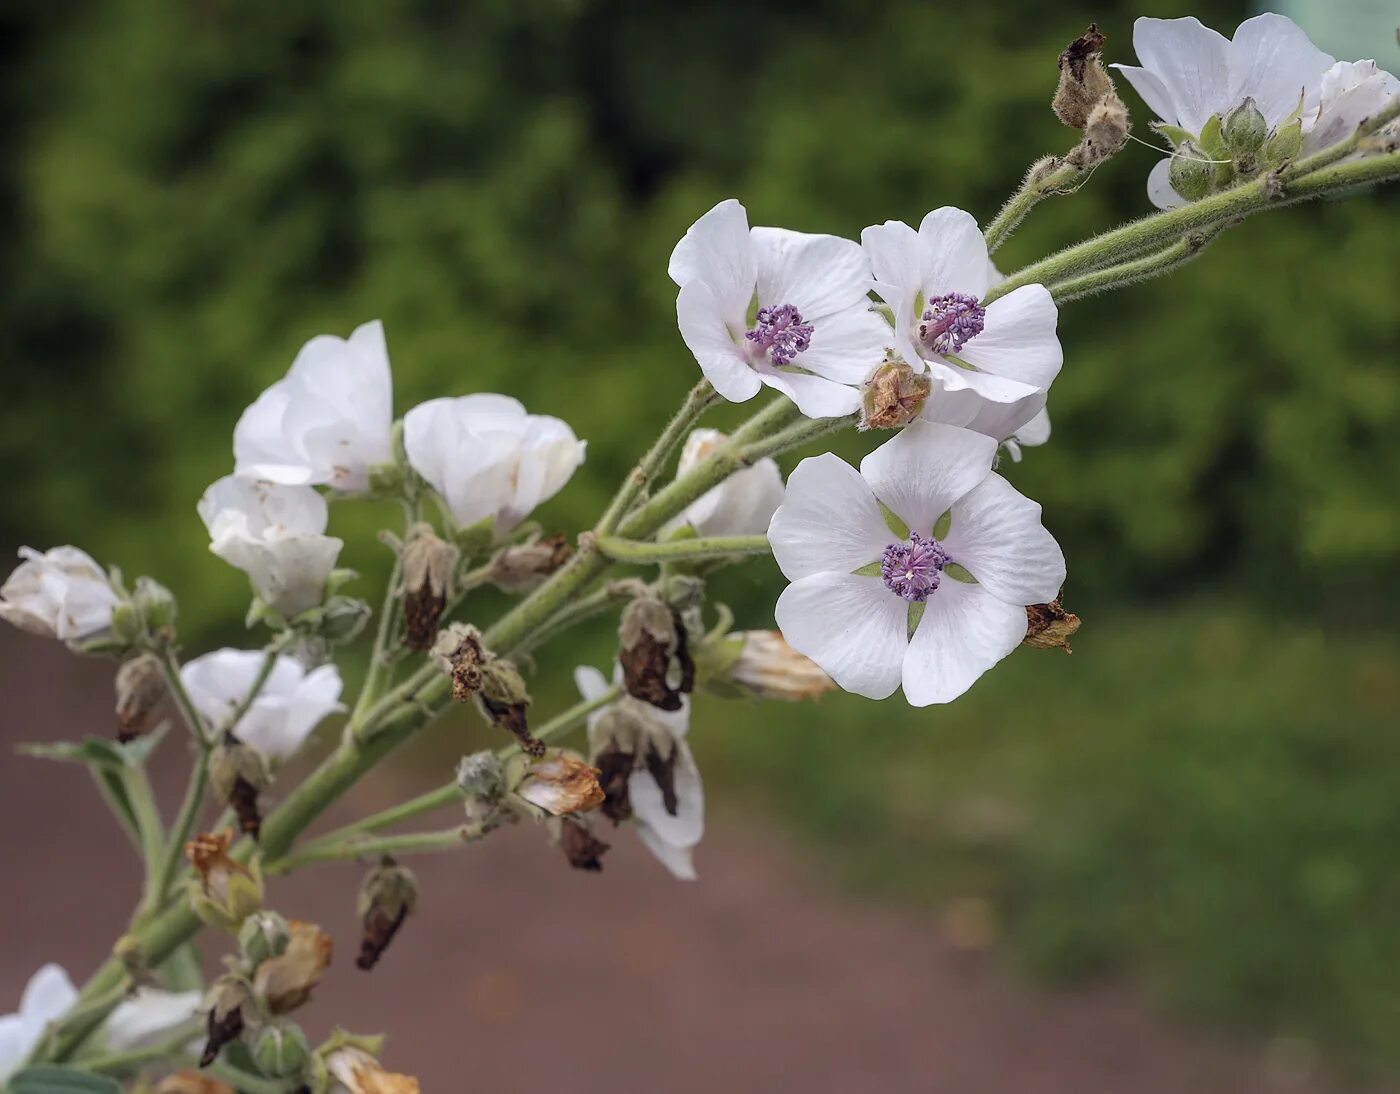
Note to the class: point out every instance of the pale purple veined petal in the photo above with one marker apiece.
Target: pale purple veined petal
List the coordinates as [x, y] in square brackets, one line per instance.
[926, 467]
[829, 520]
[964, 632]
[1190, 61]
[1018, 340]
[853, 627]
[997, 535]
[1274, 62]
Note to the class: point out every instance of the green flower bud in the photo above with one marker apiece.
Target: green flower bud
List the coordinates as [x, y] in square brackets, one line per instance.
[343, 618]
[126, 626]
[264, 935]
[281, 1050]
[1244, 130]
[1284, 145]
[1191, 175]
[156, 606]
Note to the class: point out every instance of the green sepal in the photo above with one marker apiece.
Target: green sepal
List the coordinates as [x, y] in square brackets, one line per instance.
[870, 569]
[1174, 133]
[959, 573]
[892, 521]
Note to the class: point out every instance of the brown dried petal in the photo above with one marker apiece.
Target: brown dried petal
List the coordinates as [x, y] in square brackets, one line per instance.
[1049, 626]
[580, 846]
[893, 396]
[139, 685]
[243, 800]
[285, 982]
[1083, 80]
[663, 770]
[221, 1030]
[651, 636]
[208, 854]
[377, 930]
[422, 610]
[192, 1082]
[614, 769]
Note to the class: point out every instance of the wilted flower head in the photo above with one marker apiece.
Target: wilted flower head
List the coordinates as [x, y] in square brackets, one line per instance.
[935, 605]
[274, 534]
[933, 281]
[769, 306]
[354, 1071]
[328, 421]
[739, 506]
[285, 982]
[647, 772]
[560, 783]
[290, 705]
[61, 593]
[766, 667]
[227, 892]
[488, 458]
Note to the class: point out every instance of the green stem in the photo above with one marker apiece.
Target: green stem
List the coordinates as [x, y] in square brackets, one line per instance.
[122, 1064]
[581, 608]
[448, 839]
[170, 669]
[676, 550]
[85, 1016]
[148, 823]
[1141, 269]
[380, 660]
[701, 396]
[1341, 149]
[1032, 192]
[244, 1083]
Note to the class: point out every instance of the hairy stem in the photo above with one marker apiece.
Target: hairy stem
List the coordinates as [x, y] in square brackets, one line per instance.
[447, 839]
[1140, 269]
[677, 550]
[170, 669]
[1033, 190]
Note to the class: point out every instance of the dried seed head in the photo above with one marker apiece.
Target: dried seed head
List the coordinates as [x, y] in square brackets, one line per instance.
[656, 664]
[559, 784]
[285, 982]
[519, 569]
[140, 685]
[1083, 80]
[428, 566]
[583, 850]
[229, 1007]
[1049, 626]
[459, 653]
[893, 396]
[238, 773]
[387, 897]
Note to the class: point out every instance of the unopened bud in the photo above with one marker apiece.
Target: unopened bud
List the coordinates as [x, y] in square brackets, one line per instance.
[1083, 81]
[156, 606]
[388, 895]
[893, 396]
[1105, 132]
[560, 784]
[264, 935]
[583, 850]
[479, 776]
[343, 618]
[1244, 130]
[238, 773]
[1191, 175]
[428, 566]
[652, 650]
[1284, 145]
[227, 892]
[519, 569]
[140, 685]
[229, 1007]
[1049, 626]
[280, 1050]
[766, 667]
[284, 982]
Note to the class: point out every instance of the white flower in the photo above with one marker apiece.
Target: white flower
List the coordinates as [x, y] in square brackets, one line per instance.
[670, 833]
[742, 504]
[329, 420]
[933, 281]
[769, 306]
[149, 1016]
[61, 593]
[1190, 73]
[487, 457]
[857, 586]
[1024, 423]
[1351, 92]
[291, 704]
[274, 534]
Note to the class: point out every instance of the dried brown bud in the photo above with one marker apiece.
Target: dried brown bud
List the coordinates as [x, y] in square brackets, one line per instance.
[228, 891]
[1083, 80]
[506, 701]
[192, 1082]
[360, 1073]
[140, 685]
[458, 651]
[227, 1002]
[285, 982]
[1104, 134]
[614, 770]
[518, 569]
[238, 774]
[428, 566]
[893, 396]
[580, 846]
[561, 784]
[656, 664]
[1049, 626]
[388, 896]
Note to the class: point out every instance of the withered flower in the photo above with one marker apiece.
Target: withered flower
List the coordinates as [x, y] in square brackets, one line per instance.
[238, 773]
[766, 667]
[580, 846]
[652, 649]
[893, 396]
[227, 1004]
[559, 784]
[387, 897]
[476, 672]
[520, 568]
[428, 566]
[227, 892]
[355, 1071]
[1049, 626]
[1087, 100]
[139, 685]
[285, 982]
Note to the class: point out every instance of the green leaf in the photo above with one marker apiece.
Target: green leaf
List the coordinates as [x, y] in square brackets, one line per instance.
[892, 521]
[92, 750]
[61, 1080]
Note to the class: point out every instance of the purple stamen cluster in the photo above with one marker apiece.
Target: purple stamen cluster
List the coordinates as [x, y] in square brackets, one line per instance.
[780, 333]
[950, 320]
[912, 570]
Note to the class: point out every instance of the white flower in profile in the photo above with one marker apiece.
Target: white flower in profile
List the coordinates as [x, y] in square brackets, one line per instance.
[770, 306]
[275, 534]
[486, 457]
[664, 794]
[933, 609]
[933, 281]
[1190, 73]
[148, 1017]
[1023, 423]
[61, 593]
[1351, 92]
[328, 421]
[742, 504]
[290, 705]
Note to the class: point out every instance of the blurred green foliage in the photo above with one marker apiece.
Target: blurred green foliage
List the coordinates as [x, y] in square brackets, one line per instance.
[190, 190]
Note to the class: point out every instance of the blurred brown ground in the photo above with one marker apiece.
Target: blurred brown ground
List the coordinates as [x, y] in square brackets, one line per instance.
[520, 974]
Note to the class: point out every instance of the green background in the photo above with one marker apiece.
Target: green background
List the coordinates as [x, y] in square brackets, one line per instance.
[1205, 798]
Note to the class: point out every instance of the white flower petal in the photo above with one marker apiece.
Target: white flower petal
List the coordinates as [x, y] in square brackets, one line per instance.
[955, 254]
[1034, 432]
[717, 250]
[61, 593]
[829, 520]
[742, 505]
[966, 408]
[848, 345]
[997, 389]
[815, 396]
[17, 1040]
[148, 1017]
[1154, 93]
[48, 995]
[853, 627]
[291, 704]
[1159, 187]
[679, 860]
[818, 274]
[686, 827]
[1019, 339]
[926, 467]
[964, 632]
[1191, 61]
[700, 315]
[997, 535]
[1351, 92]
[1274, 61]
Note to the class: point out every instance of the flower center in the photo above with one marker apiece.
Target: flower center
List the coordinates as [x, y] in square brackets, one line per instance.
[912, 570]
[950, 320]
[779, 333]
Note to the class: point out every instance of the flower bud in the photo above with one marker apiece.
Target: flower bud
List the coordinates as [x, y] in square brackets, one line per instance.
[519, 569]
[156, 606]
[1105, 132]
[238, 774]
[764, 666]
[580, 846]
[428, 567]
[230, 1008]
[1049, 626]
[284, 982]
[1244, 130]
[893, 396]
[1083, 81]
[342, 619]
[656, 664]
[227, 892]
[1191, 175]
[559, 784]
[388, 895]
[264, 935]
[1284, 146]
[280, 1050]
[140, 684]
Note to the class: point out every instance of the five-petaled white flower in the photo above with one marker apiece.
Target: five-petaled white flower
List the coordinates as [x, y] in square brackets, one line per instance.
[1190, 73]
[275, 534]
[328, 421]
[146, 1018]
[742, 504]
[290, 705]
[487, 457]
[61, 593]
[874, 607]
[933, 281]
[771, 306]
[664, 793]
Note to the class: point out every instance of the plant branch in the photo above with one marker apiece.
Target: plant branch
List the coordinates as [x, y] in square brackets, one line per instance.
[447, 839]
[1033, 190]
[677, 550]
[170, 669]
[1140, 269]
